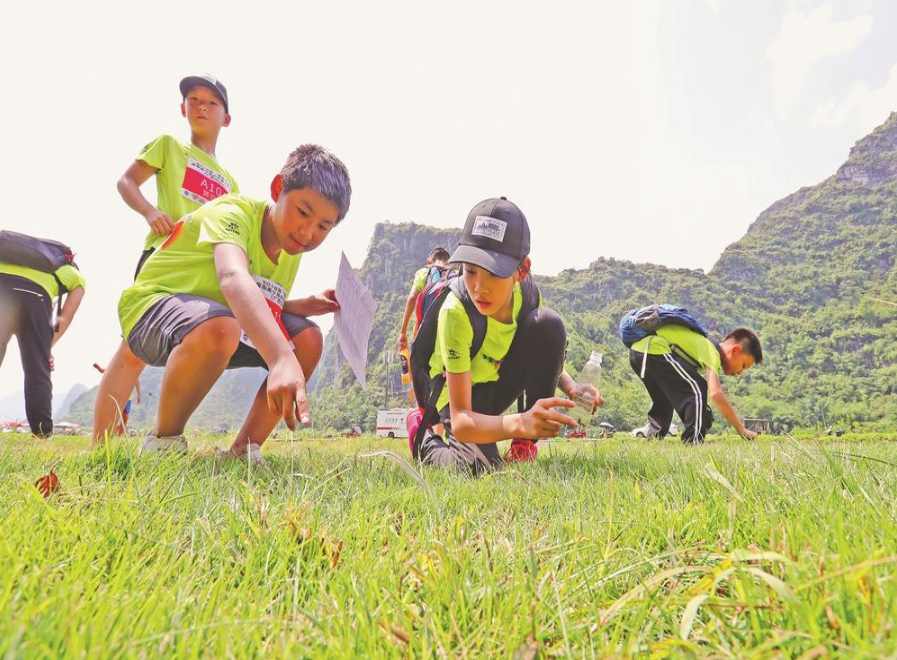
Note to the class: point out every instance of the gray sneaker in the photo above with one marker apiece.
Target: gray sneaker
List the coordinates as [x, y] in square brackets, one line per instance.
[153, 444]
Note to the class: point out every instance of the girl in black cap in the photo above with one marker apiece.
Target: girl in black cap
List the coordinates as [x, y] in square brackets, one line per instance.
[485, 344]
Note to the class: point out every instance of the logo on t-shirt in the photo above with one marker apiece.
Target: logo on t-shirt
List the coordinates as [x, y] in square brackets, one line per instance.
[452, 354]
[233, 227]
[489, 227]
[202, 183]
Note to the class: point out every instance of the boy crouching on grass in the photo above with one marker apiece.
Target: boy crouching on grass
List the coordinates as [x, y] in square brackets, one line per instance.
[214, 297]
[472, 376]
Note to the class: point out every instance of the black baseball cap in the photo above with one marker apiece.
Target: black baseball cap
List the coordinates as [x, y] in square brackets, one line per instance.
[205, 80]
[495, 237]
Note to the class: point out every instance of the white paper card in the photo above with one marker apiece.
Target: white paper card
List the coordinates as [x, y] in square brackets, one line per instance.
[354, 319]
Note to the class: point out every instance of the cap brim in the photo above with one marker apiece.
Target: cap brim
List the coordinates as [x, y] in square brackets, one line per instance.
[190, 82]
[500, 265]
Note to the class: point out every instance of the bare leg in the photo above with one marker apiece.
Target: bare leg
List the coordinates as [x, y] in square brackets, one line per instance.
[115, 388]
[260, 421]
[192, 369]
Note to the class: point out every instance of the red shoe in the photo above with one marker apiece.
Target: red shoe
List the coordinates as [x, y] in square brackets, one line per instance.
[412, 423]
[521, 451]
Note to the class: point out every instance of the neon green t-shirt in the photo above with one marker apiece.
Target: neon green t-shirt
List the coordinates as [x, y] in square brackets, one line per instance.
[187, 178]
[694, 344]
[70, 277]
[454, 337]
[185, 263]
[420, 279]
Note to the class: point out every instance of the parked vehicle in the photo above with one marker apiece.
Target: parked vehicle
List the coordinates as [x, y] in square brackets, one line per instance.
[391, 423]
[606, 430]
[642, 431]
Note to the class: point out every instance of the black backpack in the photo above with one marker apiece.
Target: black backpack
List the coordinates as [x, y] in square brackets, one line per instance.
[38, 253]
[430, 300]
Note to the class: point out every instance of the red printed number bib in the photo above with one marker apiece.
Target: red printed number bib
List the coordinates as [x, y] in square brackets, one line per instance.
[202, 183]
[275, 295]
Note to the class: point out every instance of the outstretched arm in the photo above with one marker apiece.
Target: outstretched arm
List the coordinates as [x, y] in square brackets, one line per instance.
[540, 421]
[322, 303]
[286, 381]
[406, 316]
[722, 403]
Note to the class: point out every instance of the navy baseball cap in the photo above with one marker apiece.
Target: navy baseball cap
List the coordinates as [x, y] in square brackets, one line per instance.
[495, 237]
[205, 80]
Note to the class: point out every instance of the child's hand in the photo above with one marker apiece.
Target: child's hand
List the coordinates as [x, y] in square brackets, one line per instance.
[403, 341]
[543, 421]
[286, 392]
[749, 435]
[159, 222]
[593, 393]
[323, 303]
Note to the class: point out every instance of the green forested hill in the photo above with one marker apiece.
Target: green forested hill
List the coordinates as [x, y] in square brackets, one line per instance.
[808, 275]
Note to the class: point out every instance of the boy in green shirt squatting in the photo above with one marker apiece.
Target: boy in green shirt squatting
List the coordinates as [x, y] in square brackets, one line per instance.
[680, 368]
[214, 296]
[187, 176]
[522, 352]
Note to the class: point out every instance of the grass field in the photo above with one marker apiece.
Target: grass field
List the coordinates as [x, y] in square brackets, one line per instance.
[611, 548]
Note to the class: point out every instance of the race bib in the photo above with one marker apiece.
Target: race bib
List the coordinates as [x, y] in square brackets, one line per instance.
[202, 183]
[275, 296]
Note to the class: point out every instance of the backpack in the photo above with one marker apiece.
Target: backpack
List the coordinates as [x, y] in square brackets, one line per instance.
[644, 321]
[40, 254]
[429, 302]
[436, 273]
[639, 323]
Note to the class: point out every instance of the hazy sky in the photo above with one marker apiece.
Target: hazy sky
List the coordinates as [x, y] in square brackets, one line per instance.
[649, 131]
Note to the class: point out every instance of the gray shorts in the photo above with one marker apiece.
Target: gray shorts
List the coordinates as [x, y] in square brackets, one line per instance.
[165, 324]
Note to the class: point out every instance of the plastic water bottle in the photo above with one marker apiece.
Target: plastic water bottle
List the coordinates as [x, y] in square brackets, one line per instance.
[585, 400]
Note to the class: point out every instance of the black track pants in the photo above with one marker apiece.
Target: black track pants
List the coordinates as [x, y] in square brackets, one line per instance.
[26, 312]
[673, 384]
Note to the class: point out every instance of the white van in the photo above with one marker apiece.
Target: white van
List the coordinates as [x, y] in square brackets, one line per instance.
[391, 423]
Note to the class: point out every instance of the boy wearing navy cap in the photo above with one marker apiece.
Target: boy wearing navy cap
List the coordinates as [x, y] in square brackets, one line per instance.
[187, 176]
